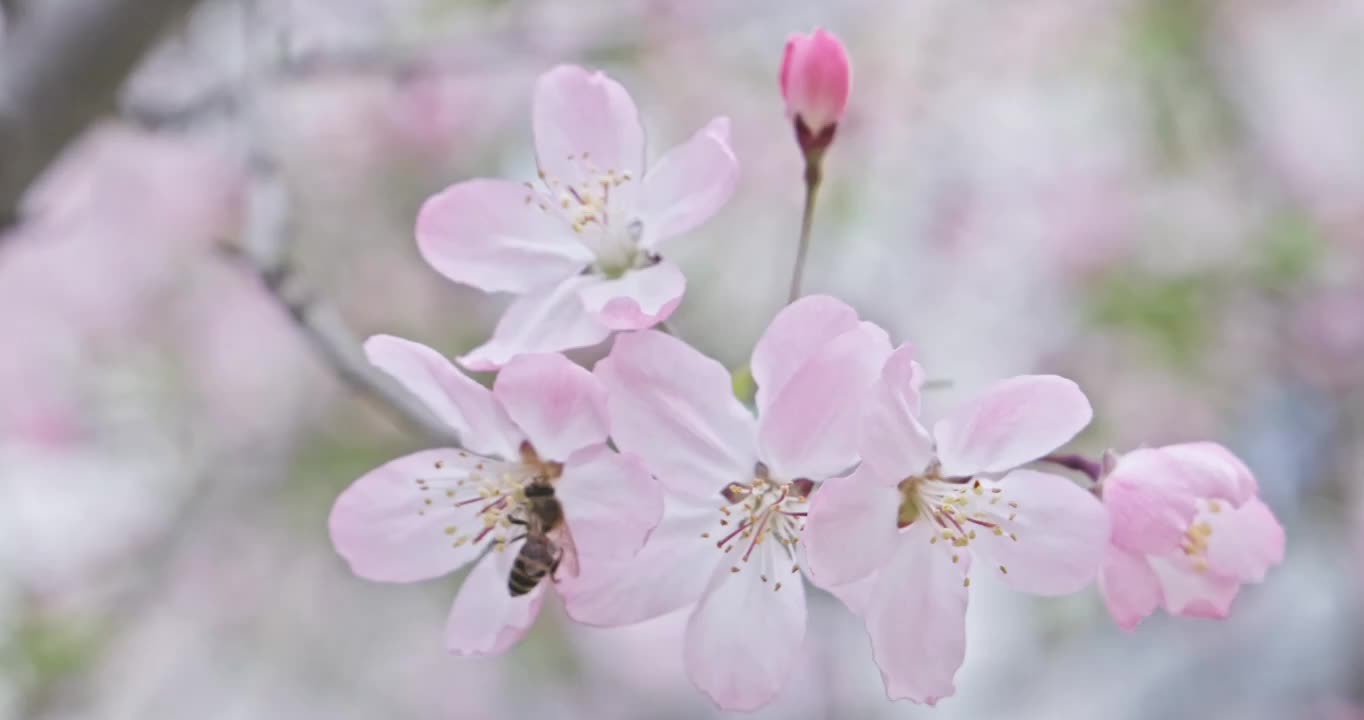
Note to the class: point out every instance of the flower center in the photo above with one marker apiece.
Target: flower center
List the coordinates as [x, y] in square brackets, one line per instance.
[597, 209]
[762, 510]
[960, 507]
[494, 489]
[1195, 543]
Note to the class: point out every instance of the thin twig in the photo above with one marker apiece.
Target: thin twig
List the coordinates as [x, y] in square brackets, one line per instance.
[1092, 468]
[60, 72]
[264, 252]
[265, 248]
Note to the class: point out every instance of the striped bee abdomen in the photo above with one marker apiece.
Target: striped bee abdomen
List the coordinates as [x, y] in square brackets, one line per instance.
[532, 564]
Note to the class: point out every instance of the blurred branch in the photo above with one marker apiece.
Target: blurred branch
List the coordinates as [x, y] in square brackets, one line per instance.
[60, 71]
[265, 251]
[12, 10]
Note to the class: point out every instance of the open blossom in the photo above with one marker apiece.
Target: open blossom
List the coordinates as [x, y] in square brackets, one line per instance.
[816, 79]
[895, 540]
[737, 488]
[1188, 531]
[580, 245]
[426, 514]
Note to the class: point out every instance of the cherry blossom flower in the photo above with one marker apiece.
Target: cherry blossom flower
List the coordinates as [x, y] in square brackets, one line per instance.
[895, 540]
[1188, 531]
[580, 246]
[816, 79]
[737, 488]
[426, 514]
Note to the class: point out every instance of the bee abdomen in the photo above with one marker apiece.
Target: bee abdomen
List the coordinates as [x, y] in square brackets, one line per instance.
[525, 575]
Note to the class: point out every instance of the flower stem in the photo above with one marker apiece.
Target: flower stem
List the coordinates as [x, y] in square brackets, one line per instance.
[1077, 462]
[813, 175]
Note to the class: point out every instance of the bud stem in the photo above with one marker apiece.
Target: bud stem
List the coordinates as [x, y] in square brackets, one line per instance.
[1076, 462]
[813, 175]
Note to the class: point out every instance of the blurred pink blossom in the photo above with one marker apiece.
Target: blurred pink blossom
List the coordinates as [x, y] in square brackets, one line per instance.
[1187, 532]
[581, 248]
[737, 488]
[427, 514]
[896, 539]
[105, 238]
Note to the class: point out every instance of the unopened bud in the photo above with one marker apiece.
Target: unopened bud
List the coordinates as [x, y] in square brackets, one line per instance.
[815, 81]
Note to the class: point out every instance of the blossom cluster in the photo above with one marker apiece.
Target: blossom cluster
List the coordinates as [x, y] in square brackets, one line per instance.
[672, 493]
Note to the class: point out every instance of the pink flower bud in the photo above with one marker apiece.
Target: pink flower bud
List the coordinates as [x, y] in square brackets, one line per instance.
[815, 80]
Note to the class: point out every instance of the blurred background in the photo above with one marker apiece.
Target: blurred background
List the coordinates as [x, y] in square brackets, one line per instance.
[1163, 199]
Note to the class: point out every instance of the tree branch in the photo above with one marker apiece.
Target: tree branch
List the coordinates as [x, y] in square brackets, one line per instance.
[265, 252]
[60, 71]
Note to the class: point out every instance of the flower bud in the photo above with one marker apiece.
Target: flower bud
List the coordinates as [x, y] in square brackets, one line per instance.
[815, 80]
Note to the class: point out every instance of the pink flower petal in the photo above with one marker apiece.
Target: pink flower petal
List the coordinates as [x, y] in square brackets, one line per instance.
[674, 407]
[810, 429]
[916, 618]
[1129, 586]
[584, 118]
[463, 404]
[486, 619]
[891, 438]
[1061, 530]
[1245, 541]
[1148, 502]
[611, 503]
[483, 233]
[856, 595]
[1191, 593]
[1013, 422]
[376, 527]
[1212, 471]
[560, 406]
[744, 638]
[797, 332]
[689, 184]
[637, 300]
[669, 573]
[851, 529]
[551, 319]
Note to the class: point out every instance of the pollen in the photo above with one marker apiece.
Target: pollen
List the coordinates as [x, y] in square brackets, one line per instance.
[966, 582]
[1004, 569]
[451, 530]
[777, 587]
[734, 568]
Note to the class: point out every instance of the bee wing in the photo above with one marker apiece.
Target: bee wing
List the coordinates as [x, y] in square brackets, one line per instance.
[568, 551]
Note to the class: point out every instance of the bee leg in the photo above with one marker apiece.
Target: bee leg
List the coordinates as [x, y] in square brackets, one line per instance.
[522, 536]
[517, 521]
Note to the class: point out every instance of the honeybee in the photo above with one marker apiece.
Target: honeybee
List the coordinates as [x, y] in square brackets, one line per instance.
[549, 545]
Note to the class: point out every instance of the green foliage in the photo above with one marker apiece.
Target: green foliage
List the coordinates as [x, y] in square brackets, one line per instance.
[44, 648]
[741, 379]
[1171, 312]
[1291, 250]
